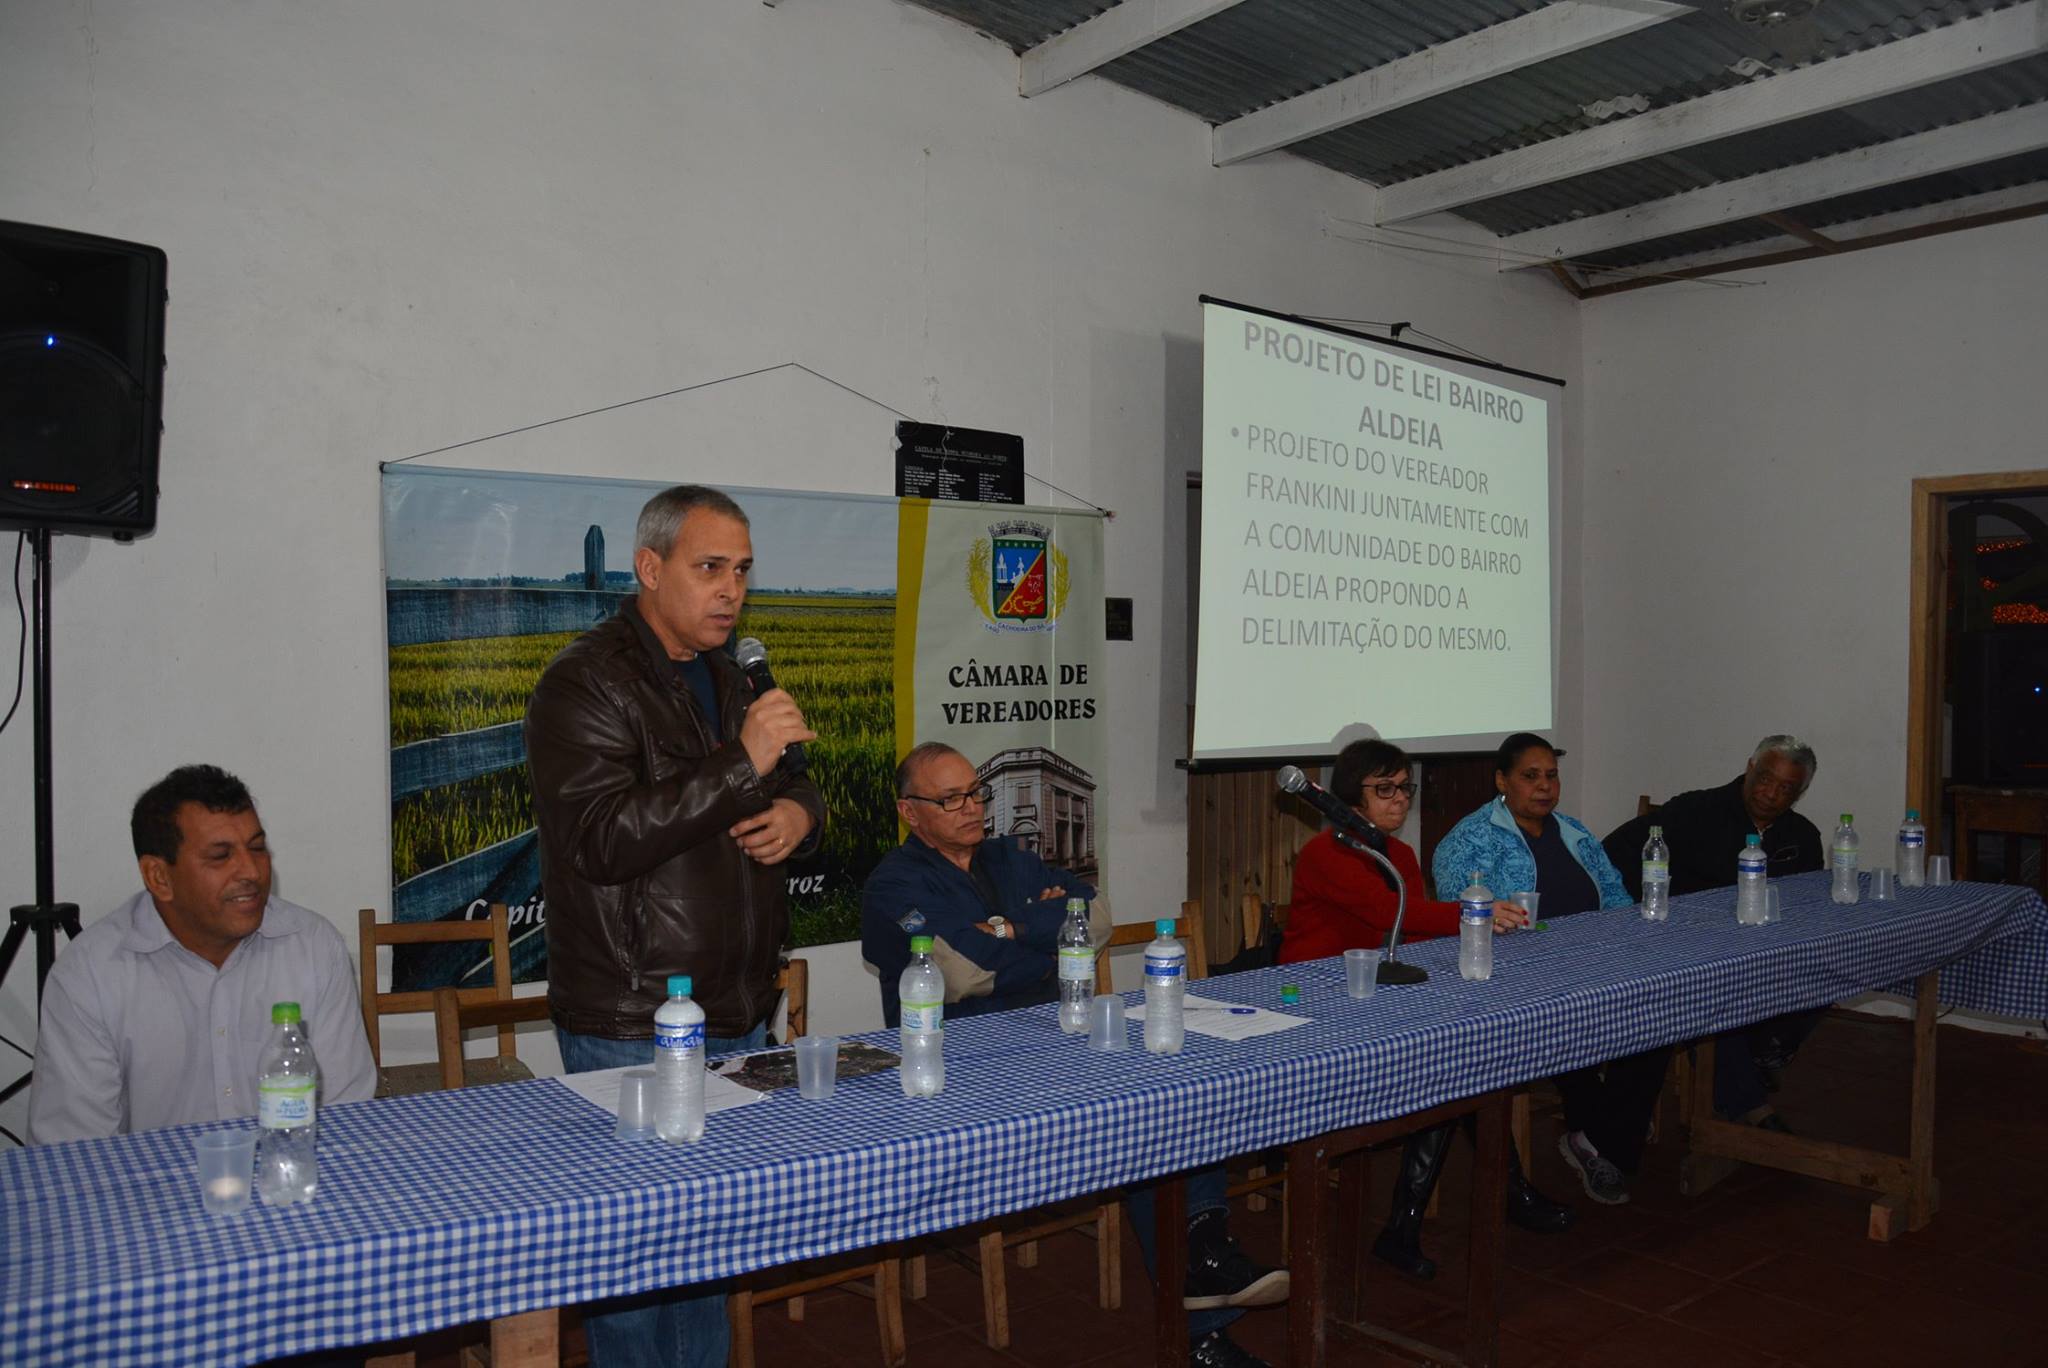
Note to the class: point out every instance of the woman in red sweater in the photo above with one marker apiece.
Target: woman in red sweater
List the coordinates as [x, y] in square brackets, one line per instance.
[1341, 901]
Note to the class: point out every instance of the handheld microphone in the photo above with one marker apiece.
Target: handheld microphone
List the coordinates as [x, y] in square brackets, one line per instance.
[1340, 813]
[752, 658]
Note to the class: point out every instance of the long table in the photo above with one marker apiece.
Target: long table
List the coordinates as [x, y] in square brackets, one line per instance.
[490, 1202]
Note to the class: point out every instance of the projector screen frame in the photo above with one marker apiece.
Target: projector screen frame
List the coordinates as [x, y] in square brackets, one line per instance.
[1304, 321]
[1463, 745]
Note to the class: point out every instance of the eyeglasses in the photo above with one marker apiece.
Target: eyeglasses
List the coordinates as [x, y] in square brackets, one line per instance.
[953, 802]
[1389, 789]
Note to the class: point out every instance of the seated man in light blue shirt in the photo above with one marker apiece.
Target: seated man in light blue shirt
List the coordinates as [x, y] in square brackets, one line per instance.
[158, 1013]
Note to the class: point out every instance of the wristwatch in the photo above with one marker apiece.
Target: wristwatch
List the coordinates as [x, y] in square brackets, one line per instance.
[998, 928]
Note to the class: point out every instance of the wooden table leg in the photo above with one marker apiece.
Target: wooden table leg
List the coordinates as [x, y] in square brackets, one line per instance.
[1489, 1235]
[1170, 1227]
[1698, 1171]
[1308, 1244]
[1345, 1285]
[526, 1341]
[1894, 1215]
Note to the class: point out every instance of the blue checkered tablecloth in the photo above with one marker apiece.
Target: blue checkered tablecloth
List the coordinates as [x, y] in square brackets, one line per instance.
[453, 1207]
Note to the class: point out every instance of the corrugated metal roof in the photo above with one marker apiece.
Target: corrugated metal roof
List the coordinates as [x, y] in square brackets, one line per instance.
[1259, 52]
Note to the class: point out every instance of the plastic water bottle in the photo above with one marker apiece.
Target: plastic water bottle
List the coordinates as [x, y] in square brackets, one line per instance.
[1842, 859]
[921, 993]
[287, 1110]
[1077, 968]
[1752, 874]
[1912, 851]
[1475, 930]
[679, 1065]
[1166, 980]
[1656, 877]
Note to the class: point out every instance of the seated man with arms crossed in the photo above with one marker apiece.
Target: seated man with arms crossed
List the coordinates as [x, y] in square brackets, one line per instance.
[159, 1013]
[1705, 830]
[998, 909]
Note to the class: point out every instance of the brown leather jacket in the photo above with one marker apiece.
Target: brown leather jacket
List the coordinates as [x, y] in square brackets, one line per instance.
[633, 796]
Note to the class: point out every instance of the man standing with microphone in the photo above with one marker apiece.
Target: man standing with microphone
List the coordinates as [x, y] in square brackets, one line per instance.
[665, 804]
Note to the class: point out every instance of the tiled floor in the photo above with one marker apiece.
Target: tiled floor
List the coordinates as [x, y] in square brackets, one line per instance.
[1764, 1269]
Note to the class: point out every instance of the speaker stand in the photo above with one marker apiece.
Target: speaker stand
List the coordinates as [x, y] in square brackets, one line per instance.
[45, 915]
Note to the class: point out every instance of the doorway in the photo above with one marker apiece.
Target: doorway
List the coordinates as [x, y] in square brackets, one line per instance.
[1965, 637]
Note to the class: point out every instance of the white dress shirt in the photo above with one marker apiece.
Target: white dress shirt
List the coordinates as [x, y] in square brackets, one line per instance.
[139, 1032]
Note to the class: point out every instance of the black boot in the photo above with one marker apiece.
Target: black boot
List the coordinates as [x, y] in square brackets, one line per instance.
[1422, 1160]
[1530, 1209]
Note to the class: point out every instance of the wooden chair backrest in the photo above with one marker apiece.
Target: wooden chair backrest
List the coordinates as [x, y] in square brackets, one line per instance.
[1188, 929]
[453, 1016]
[492, 930]
[1645, 805]
[793, 981]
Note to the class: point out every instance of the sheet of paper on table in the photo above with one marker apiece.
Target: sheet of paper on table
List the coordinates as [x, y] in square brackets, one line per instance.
[602, 1087]
[1226, 1020]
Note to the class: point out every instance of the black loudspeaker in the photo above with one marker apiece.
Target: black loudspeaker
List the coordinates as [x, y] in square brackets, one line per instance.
[81, 381]
[2001, 707]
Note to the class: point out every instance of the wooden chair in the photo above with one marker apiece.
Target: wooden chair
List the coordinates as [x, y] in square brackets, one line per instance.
[1103, 1219]
[1188, 929]
[1263, 924]
[556, 1335]
[402, 1079]
[878, 1277]
[452, 1017]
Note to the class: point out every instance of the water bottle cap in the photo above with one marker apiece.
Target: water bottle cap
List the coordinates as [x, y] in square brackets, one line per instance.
[679, 985]
[1848, 819]
[1290, 994]
[1656, 831]
[1752, 839]
[920, 945]
[1912, 814]
[1077, 904]
[284, 1014]
[1164, 926]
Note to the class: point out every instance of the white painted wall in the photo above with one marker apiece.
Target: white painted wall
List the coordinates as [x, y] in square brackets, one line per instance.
[393, 226]
[1748, 456]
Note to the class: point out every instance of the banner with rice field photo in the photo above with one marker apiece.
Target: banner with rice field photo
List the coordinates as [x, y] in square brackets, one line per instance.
[488, 575]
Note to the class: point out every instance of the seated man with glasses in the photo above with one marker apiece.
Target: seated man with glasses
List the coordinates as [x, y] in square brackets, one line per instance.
[994, 911]
[1704, 829]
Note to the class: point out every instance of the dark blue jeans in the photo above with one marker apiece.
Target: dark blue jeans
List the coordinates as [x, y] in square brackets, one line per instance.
[668, 1328]
[1738, 1082]
[1205, 1193]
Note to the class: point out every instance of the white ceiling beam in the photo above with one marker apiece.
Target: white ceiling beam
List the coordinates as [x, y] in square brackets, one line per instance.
[1850, 232]
[1553, 31]
[1973, 45]
[1112, 34]
[2011, 134]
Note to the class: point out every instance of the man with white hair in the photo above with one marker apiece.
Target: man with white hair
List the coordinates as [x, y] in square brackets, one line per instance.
[1705, 829]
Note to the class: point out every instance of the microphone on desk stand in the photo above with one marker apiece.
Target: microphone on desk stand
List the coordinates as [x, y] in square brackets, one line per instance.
[1355, 832]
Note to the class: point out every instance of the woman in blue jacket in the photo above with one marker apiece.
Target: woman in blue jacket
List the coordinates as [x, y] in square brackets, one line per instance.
[1520, 843]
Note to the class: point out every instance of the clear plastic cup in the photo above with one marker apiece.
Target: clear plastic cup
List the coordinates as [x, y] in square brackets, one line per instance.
[1773, 908]
[817, 1066]
[636, 1105]
[1106, 1026]
[227, 1165]
[1361, 972]
[1527, 900]
[1940, 873]
[1884, 886]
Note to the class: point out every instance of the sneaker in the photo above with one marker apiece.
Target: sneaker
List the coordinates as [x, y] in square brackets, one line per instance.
[1219, 1273]
[1602, 1180]
[1218, 1350]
